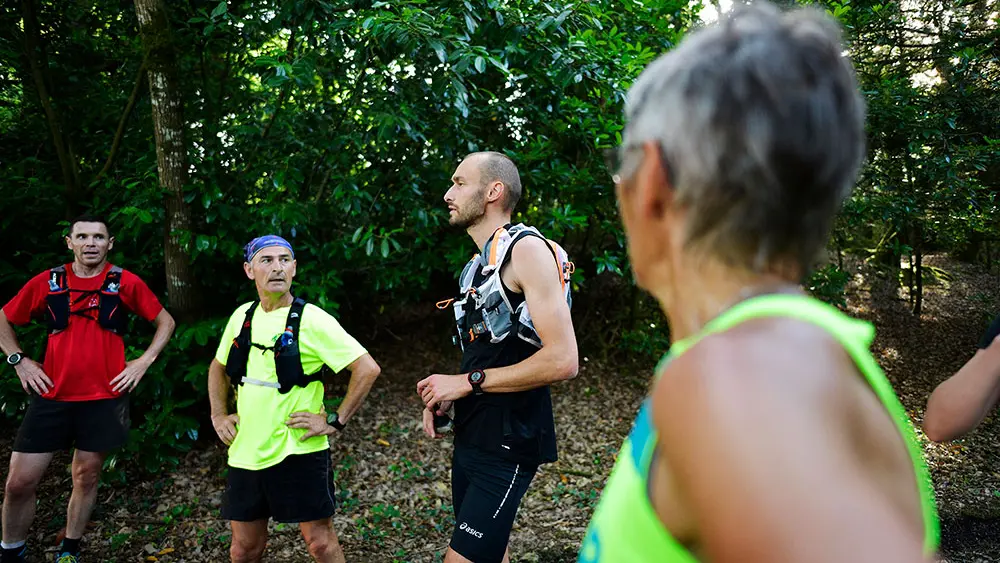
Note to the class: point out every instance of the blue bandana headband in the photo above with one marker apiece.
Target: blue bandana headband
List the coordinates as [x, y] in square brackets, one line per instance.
[260, 243]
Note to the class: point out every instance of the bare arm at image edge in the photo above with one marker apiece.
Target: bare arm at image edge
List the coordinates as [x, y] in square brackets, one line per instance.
[959, 404]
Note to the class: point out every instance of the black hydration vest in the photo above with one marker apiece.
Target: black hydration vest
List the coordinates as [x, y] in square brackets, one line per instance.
[495, 330]
[287, 361]
[112, 314]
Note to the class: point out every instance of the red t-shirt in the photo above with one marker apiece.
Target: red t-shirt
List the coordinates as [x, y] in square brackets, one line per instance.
[82, 360]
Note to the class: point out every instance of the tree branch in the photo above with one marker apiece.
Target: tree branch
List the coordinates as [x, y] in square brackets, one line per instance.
[35, 53]
[116, 143]
[359, 83]
[289, 56]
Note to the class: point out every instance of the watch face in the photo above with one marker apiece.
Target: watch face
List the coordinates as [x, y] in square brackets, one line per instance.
[477, 377]
[14, 359]
[331, 417]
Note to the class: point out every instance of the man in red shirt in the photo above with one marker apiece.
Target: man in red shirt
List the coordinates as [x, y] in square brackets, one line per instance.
[79, 395]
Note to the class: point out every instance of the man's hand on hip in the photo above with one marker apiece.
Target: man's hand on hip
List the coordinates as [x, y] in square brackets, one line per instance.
[130, 376]
[314, 424]
[33, 377]
[225, 426]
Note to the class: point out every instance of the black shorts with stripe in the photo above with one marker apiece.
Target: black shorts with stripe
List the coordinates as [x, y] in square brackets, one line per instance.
[486, 490]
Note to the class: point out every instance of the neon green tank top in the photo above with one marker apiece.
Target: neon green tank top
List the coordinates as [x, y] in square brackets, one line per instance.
[625, 526]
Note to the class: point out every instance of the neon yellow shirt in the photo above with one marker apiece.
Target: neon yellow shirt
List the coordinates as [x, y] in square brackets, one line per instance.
[625, 526]
[262, 438]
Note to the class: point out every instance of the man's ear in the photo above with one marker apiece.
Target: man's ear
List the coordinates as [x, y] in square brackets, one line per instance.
[111, 243]
[652, 182]
[248, 270]
[69, 242]
[295, 266]
[496, 191]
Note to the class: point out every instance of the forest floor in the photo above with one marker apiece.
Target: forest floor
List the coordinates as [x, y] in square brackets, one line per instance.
[393, 482]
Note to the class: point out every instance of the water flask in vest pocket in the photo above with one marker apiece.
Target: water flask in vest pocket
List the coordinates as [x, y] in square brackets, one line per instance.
[459, 306]
[497, 317]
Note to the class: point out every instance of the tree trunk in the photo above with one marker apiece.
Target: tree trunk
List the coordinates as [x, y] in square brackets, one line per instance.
[912, 283]
[38, 62]
[918, 271]
[171, 152]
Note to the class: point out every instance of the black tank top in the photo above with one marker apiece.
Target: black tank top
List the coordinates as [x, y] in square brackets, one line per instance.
[517, 426]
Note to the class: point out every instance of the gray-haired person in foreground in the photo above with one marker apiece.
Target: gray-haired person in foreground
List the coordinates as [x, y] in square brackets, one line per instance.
[770, 433]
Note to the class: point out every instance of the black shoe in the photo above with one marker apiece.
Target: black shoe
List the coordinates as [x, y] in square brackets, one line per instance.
[16, 555]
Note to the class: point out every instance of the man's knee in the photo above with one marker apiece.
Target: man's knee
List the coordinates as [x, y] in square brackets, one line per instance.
[320, 544]
[86, 475]
[20, 485]
[247, 550]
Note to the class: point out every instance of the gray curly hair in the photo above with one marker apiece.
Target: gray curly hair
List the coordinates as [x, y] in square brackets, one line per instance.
[761, 121]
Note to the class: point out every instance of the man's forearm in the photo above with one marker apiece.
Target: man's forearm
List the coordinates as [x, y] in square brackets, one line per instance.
[545, 367]
[218, 389]
[960, 403]
[164, 330]
[363, 376]
[8, 340]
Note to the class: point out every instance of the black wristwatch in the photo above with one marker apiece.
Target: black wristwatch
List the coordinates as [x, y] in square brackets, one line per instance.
[476, 379]
[15, 358]
[334, 421]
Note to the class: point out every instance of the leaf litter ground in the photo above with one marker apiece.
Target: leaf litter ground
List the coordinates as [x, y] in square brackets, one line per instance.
[392, 481]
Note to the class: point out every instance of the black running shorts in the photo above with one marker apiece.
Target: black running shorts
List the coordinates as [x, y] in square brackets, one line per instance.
[299, 489]
[91, 426]
[486, 491]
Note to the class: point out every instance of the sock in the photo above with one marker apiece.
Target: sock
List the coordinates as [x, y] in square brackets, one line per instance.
[70, 546]
[12, 546]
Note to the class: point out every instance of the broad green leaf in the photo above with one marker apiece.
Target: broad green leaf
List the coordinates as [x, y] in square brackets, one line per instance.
[439, 50]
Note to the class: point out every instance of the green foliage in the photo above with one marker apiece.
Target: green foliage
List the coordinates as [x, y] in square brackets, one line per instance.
[932, 173]
[406, 469]
[336, 125]
[649, 342]
[828, 284]
[578, 497]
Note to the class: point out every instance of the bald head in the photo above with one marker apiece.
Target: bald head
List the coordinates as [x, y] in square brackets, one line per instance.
[497, 167]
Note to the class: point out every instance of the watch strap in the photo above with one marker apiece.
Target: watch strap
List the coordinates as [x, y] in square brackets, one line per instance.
[336, 423]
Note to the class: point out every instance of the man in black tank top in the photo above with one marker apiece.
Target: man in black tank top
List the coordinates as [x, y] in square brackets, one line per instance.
[503, 411]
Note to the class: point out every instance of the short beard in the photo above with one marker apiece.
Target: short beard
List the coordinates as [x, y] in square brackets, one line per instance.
[476, 210]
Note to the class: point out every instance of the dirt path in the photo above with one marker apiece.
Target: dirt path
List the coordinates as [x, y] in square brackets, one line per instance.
[392, 481]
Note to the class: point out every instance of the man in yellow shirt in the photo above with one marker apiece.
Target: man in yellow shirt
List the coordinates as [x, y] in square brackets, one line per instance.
[273, 350]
